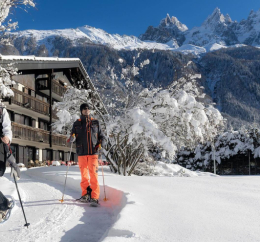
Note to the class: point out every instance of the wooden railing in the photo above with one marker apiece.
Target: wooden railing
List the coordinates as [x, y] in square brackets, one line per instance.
[60, 140]
[54, 114]
[58, 88]
[24, 132]
[24, 100]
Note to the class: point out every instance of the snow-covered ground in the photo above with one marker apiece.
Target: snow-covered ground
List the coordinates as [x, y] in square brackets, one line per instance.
[168, 207]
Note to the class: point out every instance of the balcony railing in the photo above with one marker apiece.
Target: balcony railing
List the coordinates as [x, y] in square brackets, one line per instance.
[24, 100]
[59, 140]
[56, 87]
[24, 132]
[54, 114]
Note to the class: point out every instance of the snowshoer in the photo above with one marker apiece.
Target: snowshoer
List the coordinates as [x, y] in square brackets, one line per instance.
[6, 138]
[89, 139]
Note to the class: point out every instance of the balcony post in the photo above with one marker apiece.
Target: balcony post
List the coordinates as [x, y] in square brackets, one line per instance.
[51, 77]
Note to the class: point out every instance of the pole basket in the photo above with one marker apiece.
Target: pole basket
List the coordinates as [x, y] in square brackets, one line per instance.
[27, 225]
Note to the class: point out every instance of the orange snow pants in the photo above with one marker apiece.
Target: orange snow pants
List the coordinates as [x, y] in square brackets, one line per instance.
[88, 165]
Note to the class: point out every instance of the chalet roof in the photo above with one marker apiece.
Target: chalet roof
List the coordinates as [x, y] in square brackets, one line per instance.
[31, 62]
[35, 58]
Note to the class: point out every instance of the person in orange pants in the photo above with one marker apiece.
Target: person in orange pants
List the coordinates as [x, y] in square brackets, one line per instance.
[89, 139]
[88, 165]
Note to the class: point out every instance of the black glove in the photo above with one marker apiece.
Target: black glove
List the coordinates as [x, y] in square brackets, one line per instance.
[15, 171]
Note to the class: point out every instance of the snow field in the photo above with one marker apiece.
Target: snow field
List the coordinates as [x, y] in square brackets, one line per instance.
[41, 189]
[201, 207]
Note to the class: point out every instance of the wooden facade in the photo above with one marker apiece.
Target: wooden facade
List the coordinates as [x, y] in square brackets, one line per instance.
[39, 84]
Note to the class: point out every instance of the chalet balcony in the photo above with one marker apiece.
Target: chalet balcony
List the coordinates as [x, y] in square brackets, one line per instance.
[60, 140]
[25, 132]
[54, 114]
[29, 104]
[58, 90]
[28, 133]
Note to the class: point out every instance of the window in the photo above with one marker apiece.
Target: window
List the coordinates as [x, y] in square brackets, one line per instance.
[23, 119]
[61, 155]
[32, 93]
[39, 97]
[44, 125]
[33, 123]
[27, 120]
[42, 98]
[19, 118]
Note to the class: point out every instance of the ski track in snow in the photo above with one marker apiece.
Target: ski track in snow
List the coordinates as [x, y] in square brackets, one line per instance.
[53, 221]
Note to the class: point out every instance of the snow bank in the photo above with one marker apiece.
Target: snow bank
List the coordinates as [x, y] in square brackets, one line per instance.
[163, 169]
[56, 163]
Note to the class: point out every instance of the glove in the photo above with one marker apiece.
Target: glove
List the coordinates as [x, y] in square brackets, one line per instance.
[15, 171]
[98, 147]
[72, 139]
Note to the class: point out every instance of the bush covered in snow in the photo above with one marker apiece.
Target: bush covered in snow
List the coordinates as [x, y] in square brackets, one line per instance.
[226, 146]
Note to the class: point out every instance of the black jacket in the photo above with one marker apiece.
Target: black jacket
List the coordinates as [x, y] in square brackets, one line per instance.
[88, 136]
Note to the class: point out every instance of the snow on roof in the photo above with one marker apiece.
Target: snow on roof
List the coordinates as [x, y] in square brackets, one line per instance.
[35, 58]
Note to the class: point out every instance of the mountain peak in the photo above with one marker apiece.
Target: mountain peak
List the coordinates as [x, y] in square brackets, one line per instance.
[170, 22]
[217, 18]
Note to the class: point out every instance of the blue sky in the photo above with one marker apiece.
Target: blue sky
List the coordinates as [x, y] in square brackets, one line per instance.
[124, 16]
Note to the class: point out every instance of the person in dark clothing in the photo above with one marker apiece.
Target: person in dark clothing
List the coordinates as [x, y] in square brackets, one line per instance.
[89, 139]
[6, 138]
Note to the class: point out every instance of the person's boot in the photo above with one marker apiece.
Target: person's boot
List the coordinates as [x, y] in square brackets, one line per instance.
[84, 199]
[87, 197]
[94, 202]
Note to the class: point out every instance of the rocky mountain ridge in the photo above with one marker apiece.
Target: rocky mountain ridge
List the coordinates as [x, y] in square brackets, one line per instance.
[230, 75]
[217, 28]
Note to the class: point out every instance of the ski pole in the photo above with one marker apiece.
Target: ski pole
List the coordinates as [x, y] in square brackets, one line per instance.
[27, 224]
[62, 200]
[105, 199]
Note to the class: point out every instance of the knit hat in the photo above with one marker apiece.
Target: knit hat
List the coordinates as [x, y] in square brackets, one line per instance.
[84, 106]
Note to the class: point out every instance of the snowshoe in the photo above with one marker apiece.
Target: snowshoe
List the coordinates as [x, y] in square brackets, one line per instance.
[87, 197]
[5, 214]
[94, 202]
[84, 199]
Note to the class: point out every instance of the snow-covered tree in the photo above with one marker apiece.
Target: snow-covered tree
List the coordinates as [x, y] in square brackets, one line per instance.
[68, 110]
[132, 136]
[227, 145]
[6, 72]
[6, 7]
[180, 113]
[155, 121]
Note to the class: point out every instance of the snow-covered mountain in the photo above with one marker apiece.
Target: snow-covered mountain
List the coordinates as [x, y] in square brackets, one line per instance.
[217, 28]
[83, 36]
[217, 31]
[108, 58]
[169, 31]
